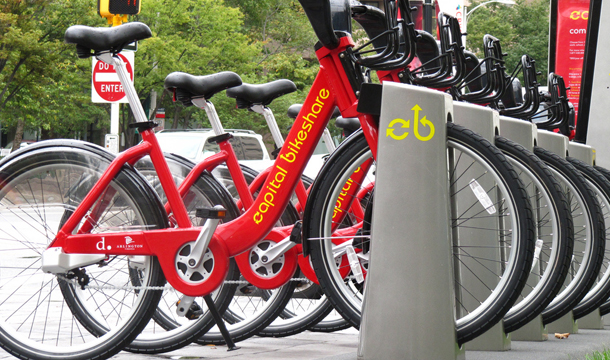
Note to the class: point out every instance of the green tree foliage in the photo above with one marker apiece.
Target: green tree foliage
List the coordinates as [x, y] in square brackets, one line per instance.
[522, 28]
[40, 83]
[43, 85]
[284, 43]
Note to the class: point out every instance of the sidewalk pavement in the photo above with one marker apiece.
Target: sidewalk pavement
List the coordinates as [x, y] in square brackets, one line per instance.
[343, 345]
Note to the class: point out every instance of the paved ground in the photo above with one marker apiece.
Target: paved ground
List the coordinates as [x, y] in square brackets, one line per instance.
[342, 346]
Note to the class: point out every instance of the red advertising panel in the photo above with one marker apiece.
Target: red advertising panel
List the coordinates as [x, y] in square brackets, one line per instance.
[572, 16]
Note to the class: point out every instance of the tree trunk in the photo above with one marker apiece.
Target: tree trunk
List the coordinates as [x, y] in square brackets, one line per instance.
[45, 134]
[18, 135]
[178, 110]
[129, 132]
[104, 127]
[187, 119]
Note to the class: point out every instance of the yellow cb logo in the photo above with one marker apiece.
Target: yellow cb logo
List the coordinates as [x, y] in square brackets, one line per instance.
[405, 124]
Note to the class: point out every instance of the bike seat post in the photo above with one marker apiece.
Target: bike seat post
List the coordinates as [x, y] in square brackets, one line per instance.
[271, 123]
[211, 113]
[328, 140]
[128, 87]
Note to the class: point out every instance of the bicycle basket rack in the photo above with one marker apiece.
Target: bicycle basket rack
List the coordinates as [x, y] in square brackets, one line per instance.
[556, 112]
[443, 65]
[487, 77]
[392, 48]
[530, 102]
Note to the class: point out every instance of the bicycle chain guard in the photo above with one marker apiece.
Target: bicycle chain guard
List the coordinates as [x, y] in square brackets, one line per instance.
[189, 286]
[198, 274]
[274, 274]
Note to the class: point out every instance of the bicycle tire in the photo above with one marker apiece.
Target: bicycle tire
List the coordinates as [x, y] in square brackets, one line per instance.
[600, 291]
[347, 158]
[205, 192]
[64, 171]
[588, 236]
[605, 307]
[331, 325]
[555, 235]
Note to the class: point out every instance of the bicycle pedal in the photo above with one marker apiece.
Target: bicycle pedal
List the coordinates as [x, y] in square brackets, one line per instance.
[211, 213]
[194, 312]
[247, 290]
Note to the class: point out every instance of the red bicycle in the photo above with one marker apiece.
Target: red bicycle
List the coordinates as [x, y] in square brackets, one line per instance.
[71, 211]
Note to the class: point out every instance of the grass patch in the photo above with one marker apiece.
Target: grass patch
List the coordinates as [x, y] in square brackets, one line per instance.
[596, 355]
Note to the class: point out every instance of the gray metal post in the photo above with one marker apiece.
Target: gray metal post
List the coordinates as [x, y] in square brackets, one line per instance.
[485, 122]
[408, 307]
[554, 142]
[522, 132]
[558, 144]
[586, 153]
[525, 134]
[582, 152]
[594, 321]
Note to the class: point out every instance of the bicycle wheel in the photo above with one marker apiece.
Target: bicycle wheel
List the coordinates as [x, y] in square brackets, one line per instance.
[589, 236]
[246, 309]
[554, 242]
[605, 307]
[252, 309]
[475, 162]
[600, 291]
[308, 308]
[41, 187]
[169, 331]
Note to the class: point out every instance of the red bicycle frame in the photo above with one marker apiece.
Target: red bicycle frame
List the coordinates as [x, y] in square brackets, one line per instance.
[331, 88]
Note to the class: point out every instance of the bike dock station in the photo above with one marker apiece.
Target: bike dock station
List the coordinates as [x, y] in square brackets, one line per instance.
[586, 154]
[488, 229]
[525, 134]
[415, 320]
[485, 122]
[558, 144]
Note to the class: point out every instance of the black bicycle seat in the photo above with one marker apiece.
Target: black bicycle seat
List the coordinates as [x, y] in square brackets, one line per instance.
[105, 39]
[349, 125]
[428, 52]
[513, 96]
[294, 109]
[250, 94]
[189, 86]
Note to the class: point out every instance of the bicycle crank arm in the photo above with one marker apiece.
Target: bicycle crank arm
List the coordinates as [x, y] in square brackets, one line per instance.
[274, 252]
[203, 240]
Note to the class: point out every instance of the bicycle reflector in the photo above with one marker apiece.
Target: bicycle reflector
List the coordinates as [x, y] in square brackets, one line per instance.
[108, 8]
[211, 213]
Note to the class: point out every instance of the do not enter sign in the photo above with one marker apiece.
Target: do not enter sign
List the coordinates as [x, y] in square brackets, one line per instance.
[106, 86]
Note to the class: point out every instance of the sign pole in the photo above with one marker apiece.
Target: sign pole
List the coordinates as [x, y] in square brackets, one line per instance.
[105, 84]
[114, 118]
[112, 140]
